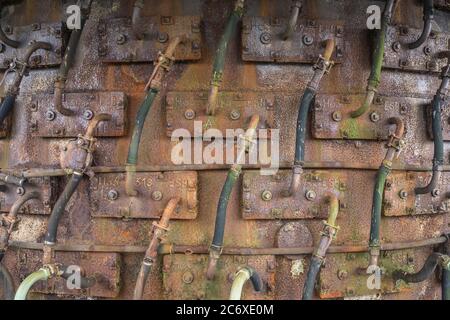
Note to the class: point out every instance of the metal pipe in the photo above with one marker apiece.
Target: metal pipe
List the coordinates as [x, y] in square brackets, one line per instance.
[328, 234]
[10, 179]
[40, 275]
[240, 278]
[136, 19]
[427, 270]
[9, 42]
[153, 86]
[321, 68]
[157, 234]
[377, 60]
[428, 16]
[296, 8]
[394, 145]
[94, 123]
[219, 59]
[438, 157]
[68, 60]
[221, 215]
[19, 68]
[8, 283]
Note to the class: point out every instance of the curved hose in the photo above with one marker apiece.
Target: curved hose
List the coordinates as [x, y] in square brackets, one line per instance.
[94, 123]
[159, 230]
[58, 209]
[377, 61]
[427, 270]
[8, 283]
[40, 275]
[428, 15]
[292, 20]
[219, 60]
[241, 278]
[327, 235]
[438, 157]
[22, 200]
[6, 107]
[9, 42]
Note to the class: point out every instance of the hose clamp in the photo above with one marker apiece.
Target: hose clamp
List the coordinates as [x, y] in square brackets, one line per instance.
[217, 78]
[215, 251]
[323, 65]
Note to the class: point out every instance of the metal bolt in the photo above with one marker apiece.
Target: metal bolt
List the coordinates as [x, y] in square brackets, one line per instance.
[266, 195]
[188, 277]
[310, 195]
[33, 107]
[337, 116]
[396, 46]
[20, 191]
[307, 40]
[342, 274]
[157, 196]
[374, 117]
[113, 195]
[163, 37]
[435, 193]
[427, 50]
[235, 115]
[50, 115]
[88, 114]
[189, 114]
[121, 39]
[265, 38]
[403, 194]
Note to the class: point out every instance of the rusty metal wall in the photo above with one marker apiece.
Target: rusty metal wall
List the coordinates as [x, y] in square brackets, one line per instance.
[352, 161]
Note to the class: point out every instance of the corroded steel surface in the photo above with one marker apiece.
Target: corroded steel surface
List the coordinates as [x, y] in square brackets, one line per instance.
[82, 224]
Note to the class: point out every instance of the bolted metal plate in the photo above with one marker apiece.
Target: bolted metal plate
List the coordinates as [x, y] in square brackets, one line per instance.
[105, 267]
[47, 32]
[155, 189]
[46, 122]
[445, 120]
[442, 4]
[184, 277]
[332, 120]
[263, 196]
[47, 187]
[233, 112]
[262, 40]
[294, 235]
[118, 44]
[345, 275]
[400, 199]
[422, 59]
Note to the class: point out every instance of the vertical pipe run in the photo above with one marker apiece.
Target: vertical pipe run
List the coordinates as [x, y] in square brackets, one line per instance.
[219, 60]
[292, 20]
[215, 249]
[136, 19]
[377, 60]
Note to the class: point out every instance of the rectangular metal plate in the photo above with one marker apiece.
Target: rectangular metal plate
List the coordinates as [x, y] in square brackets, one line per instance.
[46, 122]
[398, 203]
[184, 277]
[332, 283]
[118, 44]
[442, 4]
[331, 117]
[262, 41]
[47, 32]
[47, 187]
[233, 112]
[104, 266]
[417, 59]
[445, 120]
[169, 184]
[316, 183]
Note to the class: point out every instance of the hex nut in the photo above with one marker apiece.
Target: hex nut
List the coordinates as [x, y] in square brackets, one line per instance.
[189, 114]
[113, 195]
[50, 115]
[310, 195]
[266, 195]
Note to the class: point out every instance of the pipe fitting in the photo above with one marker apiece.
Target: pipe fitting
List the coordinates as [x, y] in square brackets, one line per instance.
[240, 278]
[292, 23]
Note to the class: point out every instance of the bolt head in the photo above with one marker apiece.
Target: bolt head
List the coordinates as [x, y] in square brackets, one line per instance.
[396, 46]
[157, 195]
[163, 37]
[50, 115]
[88, 114]
[188, 277]
[121, 39]
[435, 193]
[337, 116]
[20, 191]
[342, 274]
[374, 117]
[235, 115]
[113, 195]
[266, 195]
[265, 38]
[307, 40]
[310, 195]
[427, 51]
[189, 114]
[403, 194]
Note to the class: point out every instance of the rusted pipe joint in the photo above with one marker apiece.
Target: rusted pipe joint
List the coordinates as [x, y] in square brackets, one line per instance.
[294, 187]
[214, 255]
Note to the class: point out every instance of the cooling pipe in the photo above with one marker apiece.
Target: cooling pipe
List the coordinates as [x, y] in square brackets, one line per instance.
[328, 234]
[322, 67]
[377, 60]
[47, 272]
[427, 270]
[157, 234]
[215, 249]
[438, 157]
[219, 60]
[428, 15]
[66, 65]
[19, 68]
[394, 145]
[162, 66]
[7, 41]
[10, 179]
[295, 12]
[240, 278]
[80, 156]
